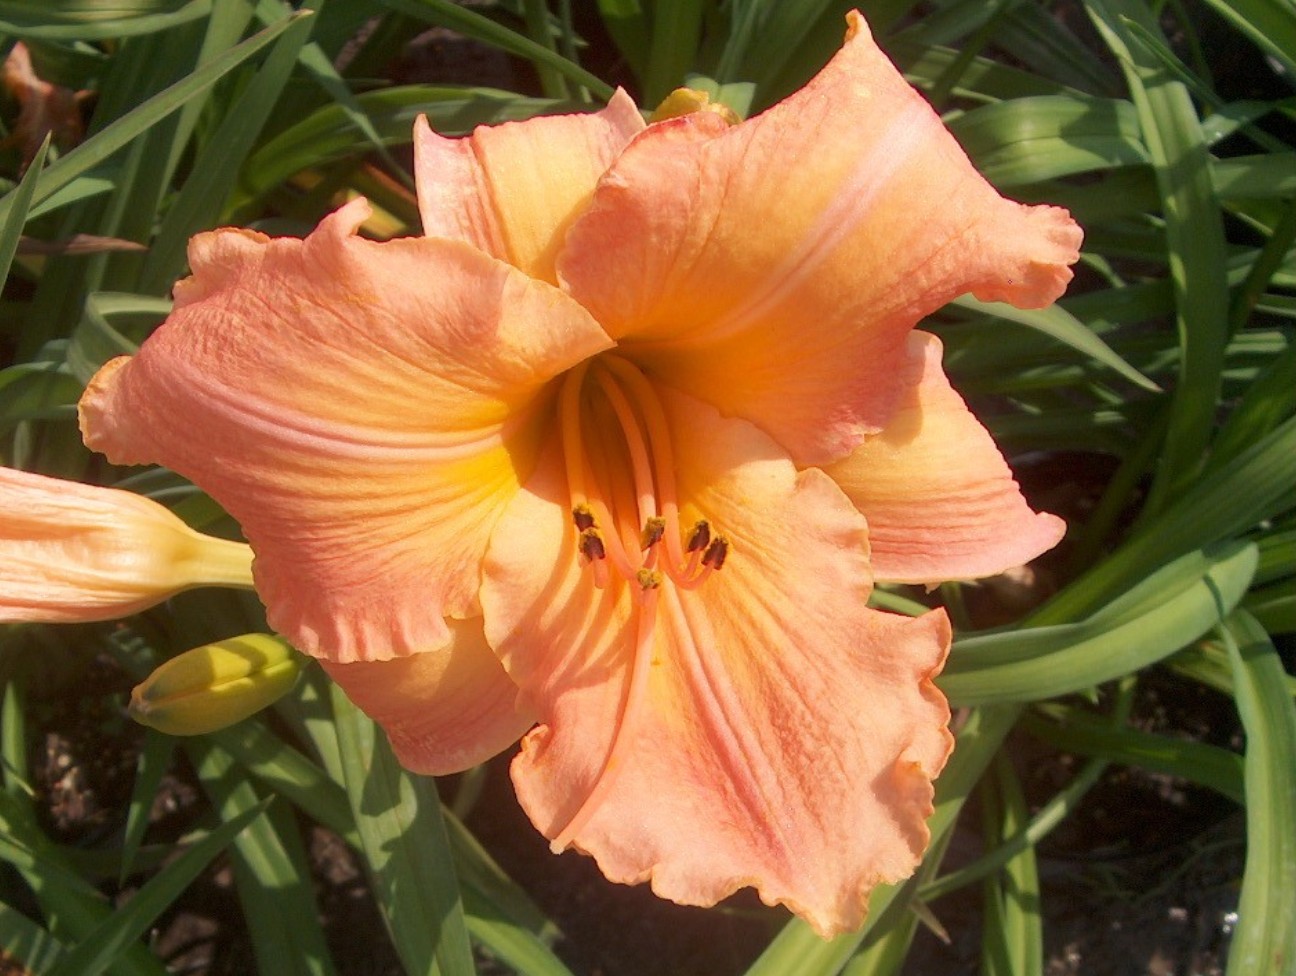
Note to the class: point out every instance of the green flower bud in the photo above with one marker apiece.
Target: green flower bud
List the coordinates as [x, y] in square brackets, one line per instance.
[216, 685]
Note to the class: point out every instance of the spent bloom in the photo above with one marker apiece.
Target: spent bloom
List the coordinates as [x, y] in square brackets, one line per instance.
[611, 458]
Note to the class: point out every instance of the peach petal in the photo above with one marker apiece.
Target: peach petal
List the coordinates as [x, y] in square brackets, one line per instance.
[364, 410]
[774, 268]
[71, 552]
[444, 711]
[941, 503]
[512, 189]
[787, 735]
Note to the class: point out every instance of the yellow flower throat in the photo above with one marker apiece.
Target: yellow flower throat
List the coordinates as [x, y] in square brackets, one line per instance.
[621, 478]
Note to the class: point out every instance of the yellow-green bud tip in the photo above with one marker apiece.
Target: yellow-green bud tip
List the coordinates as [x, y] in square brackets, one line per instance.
[216, 685]
[686, 101]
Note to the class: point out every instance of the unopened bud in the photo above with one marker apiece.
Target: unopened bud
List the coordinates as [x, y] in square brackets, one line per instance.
[686, 101]
[216, 685]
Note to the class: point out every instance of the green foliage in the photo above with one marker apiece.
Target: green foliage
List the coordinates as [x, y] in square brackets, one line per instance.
[1170, 369]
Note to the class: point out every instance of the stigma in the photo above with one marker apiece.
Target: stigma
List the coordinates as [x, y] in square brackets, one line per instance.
[620, 468]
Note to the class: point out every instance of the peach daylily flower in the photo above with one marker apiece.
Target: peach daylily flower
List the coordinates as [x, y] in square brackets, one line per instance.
[73, 553]
[615, 453]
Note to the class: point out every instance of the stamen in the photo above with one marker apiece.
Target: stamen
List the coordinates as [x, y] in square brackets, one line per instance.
[653, 531]
[701, 535]
[649, 579]
[599, 486]
[622, 561]
[635, 444]
[654, 416]
[569, 420]
[716, 553]
[591, 544]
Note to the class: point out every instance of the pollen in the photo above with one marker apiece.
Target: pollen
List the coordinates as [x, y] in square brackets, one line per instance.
[652, 533]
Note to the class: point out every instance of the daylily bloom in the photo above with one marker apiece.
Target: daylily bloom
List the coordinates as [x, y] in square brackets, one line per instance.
[71, 552]
[615, 453]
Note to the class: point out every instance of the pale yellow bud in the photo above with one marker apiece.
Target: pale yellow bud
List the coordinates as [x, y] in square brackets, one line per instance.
[686, 101]
[73, 552]
[216, 685]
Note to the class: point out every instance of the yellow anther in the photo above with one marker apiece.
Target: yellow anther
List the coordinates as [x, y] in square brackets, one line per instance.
[649, 579]
[653, 531]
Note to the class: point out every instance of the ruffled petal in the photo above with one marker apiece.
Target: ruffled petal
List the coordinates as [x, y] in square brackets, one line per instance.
[774, 732]
[444, 711]
[774, 268]
[364, 410]
[71, 552]
[941, 503]
[512, 189]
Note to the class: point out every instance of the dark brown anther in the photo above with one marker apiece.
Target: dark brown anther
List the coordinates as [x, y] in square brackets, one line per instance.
[716, 553]
[700, 537]
[653, 530]
[591, 545]
[583, 518]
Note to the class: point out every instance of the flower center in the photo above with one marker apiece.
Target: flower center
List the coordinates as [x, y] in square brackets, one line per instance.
[621, 479]
[620, 462]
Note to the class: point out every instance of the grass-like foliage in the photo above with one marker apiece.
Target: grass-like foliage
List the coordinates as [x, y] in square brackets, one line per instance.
[1154, 406]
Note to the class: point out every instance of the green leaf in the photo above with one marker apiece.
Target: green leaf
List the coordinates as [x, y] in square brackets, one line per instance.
[93, 20]
[1167, 611]
[1194, 236]
[103, 144]
[472, 24]
[26, 943]
[1269, 24]
[153, 760]
[398, 816]
[330, 132]
[1059, 324]
[1224, 503]
[216, 168]
[112, 324]
[16, 217]
[1080, 731]
[103, 946]
[1265, 941]
[37, 391]
[676, 34]
[271, 871]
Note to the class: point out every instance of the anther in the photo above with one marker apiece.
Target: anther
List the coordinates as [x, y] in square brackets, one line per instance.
[701, 536]
[653, 531]
[583, 517]
[716, 553]
[649, 579]
[591, 545]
